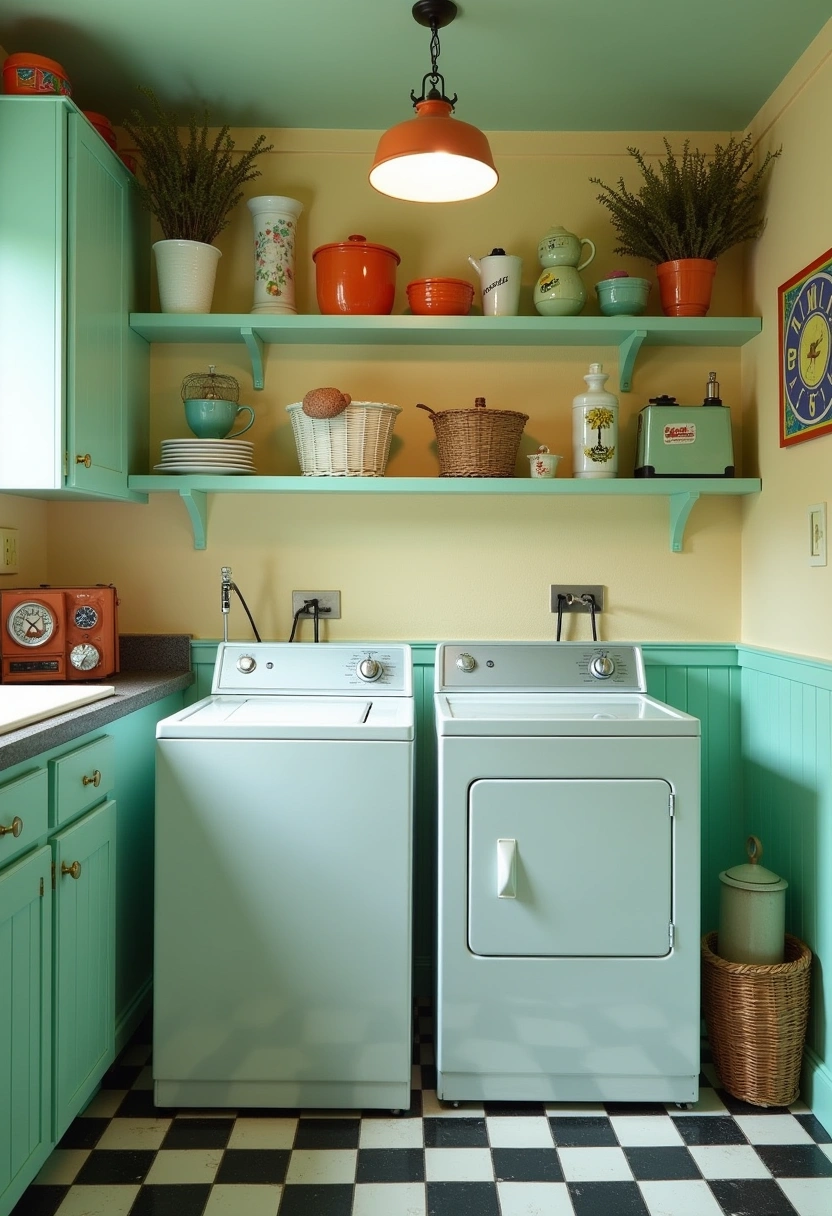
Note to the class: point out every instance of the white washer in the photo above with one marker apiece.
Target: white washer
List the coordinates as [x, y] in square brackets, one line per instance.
[283, 882]
[568, 918]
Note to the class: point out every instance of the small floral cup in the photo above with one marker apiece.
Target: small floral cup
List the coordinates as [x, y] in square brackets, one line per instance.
[542, 463]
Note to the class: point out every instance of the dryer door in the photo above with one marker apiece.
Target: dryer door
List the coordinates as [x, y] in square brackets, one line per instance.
[576, 867]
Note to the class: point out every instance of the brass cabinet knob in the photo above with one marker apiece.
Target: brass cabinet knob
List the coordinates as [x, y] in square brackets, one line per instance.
[85, 460]
[95, 779]
[15, 827]
[74, 871]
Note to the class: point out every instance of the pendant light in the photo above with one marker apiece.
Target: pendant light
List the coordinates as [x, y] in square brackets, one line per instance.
[433, 158]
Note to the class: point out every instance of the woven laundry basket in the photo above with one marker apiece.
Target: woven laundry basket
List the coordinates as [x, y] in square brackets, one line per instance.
[355, 443]
[477, 442]
[756, 1016]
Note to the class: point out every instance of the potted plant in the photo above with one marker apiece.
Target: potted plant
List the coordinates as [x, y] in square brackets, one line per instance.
[688, 212]
[190, 188]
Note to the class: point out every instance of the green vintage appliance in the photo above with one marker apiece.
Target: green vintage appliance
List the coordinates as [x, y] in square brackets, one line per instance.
[685, 440]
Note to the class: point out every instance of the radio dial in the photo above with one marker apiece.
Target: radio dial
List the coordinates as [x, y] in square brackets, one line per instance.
[602, 667]
[369, 669]
[246, 664]
[466, 662]
[85, 656]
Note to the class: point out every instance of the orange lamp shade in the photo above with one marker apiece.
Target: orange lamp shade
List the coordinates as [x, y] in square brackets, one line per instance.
[433, 158]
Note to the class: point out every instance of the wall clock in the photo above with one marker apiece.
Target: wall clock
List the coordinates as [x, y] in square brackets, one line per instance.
[805, 351]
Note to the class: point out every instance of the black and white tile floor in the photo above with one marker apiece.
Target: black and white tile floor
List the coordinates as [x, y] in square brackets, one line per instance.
[123, 1157]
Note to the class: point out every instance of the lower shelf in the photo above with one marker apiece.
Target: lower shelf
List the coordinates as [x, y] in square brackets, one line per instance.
[682, 492]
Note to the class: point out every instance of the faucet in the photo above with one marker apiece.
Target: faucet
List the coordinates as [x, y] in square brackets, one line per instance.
[227, 586]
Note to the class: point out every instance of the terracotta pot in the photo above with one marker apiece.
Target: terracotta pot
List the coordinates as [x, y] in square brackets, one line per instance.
[685, 286]
[355, 276]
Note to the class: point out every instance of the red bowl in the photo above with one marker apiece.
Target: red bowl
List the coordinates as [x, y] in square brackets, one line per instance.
[440, 297]
[28, 73]
[103, 126]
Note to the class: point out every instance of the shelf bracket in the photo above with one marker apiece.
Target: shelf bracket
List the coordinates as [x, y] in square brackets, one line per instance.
[196, 503]
[681, 506]
[627, 351]
[255, 353]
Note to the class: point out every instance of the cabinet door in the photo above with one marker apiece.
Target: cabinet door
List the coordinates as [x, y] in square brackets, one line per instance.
[84, 959]
[25, 1022]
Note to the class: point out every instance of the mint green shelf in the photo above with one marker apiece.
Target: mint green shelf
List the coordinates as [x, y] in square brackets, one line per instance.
[682, 493]
[628, 334]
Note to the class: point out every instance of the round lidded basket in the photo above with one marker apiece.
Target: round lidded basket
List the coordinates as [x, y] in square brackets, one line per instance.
[477, 442]
[756, 1016]
[355, 443]
[208, 386]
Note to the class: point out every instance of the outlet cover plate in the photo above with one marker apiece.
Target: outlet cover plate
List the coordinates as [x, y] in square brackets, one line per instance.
[576, 590]
[329, 603]
[8, 551]
[817, 534]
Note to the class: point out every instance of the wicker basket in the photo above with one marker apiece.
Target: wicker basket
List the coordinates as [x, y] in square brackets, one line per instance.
[355, 443]
[756, 1016]
[477, 442]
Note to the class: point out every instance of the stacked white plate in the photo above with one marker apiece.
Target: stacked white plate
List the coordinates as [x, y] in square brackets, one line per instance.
[206, 456]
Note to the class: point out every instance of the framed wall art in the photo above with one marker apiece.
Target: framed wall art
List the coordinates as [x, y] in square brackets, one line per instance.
[804, 333]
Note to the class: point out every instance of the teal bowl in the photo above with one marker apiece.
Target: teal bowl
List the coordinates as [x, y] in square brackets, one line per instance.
[622, 297]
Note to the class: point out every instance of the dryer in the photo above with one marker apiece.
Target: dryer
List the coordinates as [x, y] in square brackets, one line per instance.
[568, 878]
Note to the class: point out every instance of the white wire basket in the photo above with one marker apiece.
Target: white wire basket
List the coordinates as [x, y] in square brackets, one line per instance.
[355, 443]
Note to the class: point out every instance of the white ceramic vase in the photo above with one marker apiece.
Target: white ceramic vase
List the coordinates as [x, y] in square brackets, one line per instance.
[186, 272]
[275, 228]
[595, 428]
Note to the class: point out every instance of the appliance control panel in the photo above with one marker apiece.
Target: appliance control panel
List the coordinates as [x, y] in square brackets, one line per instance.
[590, 667]
[330, 667]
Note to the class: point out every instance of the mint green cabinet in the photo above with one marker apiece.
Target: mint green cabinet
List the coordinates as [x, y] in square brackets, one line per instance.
[25, 1022]
[73, 263]
[84, 941]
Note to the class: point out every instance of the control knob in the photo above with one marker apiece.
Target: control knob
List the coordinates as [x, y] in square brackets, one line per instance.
[602, 667]
[369, 669]
[466, 662]
[246, 664]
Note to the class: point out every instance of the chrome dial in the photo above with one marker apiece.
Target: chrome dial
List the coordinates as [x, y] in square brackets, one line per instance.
[246, 664]
[369, 669]
[84, 656]
[30, 624]
[466, 662]
[602, 667]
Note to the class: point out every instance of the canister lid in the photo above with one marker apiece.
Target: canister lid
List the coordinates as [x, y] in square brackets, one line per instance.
[751, 876]
[356, 242]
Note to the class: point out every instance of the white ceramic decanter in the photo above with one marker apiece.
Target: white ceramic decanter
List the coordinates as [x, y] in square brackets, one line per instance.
[595, 428]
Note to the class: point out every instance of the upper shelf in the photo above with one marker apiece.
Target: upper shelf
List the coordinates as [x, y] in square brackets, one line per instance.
[629, 334]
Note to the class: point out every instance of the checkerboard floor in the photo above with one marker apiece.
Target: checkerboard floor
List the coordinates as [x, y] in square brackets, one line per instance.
[125, 1157]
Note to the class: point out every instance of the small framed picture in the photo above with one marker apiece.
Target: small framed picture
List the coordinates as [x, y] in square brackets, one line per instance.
[803, 317]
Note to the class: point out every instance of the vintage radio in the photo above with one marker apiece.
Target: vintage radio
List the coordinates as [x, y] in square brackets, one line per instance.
[58, 633]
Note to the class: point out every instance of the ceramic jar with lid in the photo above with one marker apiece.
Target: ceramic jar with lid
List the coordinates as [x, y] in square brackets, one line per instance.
[752, 911]
[559, 291]
[355, 276]
[595, 428]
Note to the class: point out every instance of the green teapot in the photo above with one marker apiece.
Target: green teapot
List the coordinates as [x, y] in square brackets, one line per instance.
[559, 291]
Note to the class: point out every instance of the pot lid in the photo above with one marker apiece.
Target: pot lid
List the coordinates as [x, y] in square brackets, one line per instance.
[356, 242]
[751, 876]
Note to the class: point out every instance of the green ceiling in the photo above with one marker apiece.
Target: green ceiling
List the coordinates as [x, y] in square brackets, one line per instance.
[569, 65]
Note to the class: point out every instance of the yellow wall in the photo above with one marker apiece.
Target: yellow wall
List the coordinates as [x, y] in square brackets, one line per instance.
[29, 516]
[785, 603]
[419, 567]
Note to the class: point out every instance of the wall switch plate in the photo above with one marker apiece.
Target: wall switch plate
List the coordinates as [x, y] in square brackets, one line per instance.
[817, 534]
[573, 593]
[8, 551]
[329, 603]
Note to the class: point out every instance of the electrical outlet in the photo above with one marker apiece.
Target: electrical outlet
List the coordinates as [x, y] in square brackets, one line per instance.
[329, 603]
[573, 601]
[8, 551]
[817, 534]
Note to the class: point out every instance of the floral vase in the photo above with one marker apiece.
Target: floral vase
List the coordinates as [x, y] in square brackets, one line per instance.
[275, 227]
[595, 428]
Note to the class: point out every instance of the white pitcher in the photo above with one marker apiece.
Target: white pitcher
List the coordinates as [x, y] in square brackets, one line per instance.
[499, 282]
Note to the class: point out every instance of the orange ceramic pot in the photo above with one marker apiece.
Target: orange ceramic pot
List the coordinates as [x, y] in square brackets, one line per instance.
[103, 126]
[685, 286]
[27, 73]
[440, 297]
[355, 276]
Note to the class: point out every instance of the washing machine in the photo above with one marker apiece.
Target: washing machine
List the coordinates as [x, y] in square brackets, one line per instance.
[568, 878]
[283, 882]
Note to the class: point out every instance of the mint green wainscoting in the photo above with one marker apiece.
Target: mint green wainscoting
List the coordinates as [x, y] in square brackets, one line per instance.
[25, 1022]
[787, 753]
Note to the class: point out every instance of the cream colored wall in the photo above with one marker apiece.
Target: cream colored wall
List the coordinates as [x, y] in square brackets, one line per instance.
[420, 567]
[29, 516]
[785, 602]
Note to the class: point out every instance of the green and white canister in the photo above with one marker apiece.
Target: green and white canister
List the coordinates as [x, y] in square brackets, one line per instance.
[275, 228]
[595, 428]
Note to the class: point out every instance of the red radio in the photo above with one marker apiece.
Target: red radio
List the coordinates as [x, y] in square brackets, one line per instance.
[58, 633]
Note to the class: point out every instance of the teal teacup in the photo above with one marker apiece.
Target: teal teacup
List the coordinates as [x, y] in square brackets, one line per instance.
[212, 419]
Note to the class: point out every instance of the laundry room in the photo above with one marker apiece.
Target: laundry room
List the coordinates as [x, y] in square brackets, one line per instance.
[708, 594]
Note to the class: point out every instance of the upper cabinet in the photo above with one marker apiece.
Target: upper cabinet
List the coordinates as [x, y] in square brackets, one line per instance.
[74, 263]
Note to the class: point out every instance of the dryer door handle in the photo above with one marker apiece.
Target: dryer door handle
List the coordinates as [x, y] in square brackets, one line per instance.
[507, 869]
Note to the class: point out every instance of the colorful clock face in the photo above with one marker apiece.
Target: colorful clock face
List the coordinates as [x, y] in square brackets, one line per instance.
[30, 624]
[85, 617]
[806, 353]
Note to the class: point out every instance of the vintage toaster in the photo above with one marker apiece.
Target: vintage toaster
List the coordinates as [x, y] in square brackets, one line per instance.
[53, 634]
[685, 440]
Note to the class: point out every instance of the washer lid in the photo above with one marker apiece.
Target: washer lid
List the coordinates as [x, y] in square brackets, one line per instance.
[290, 717]
[559, 714]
